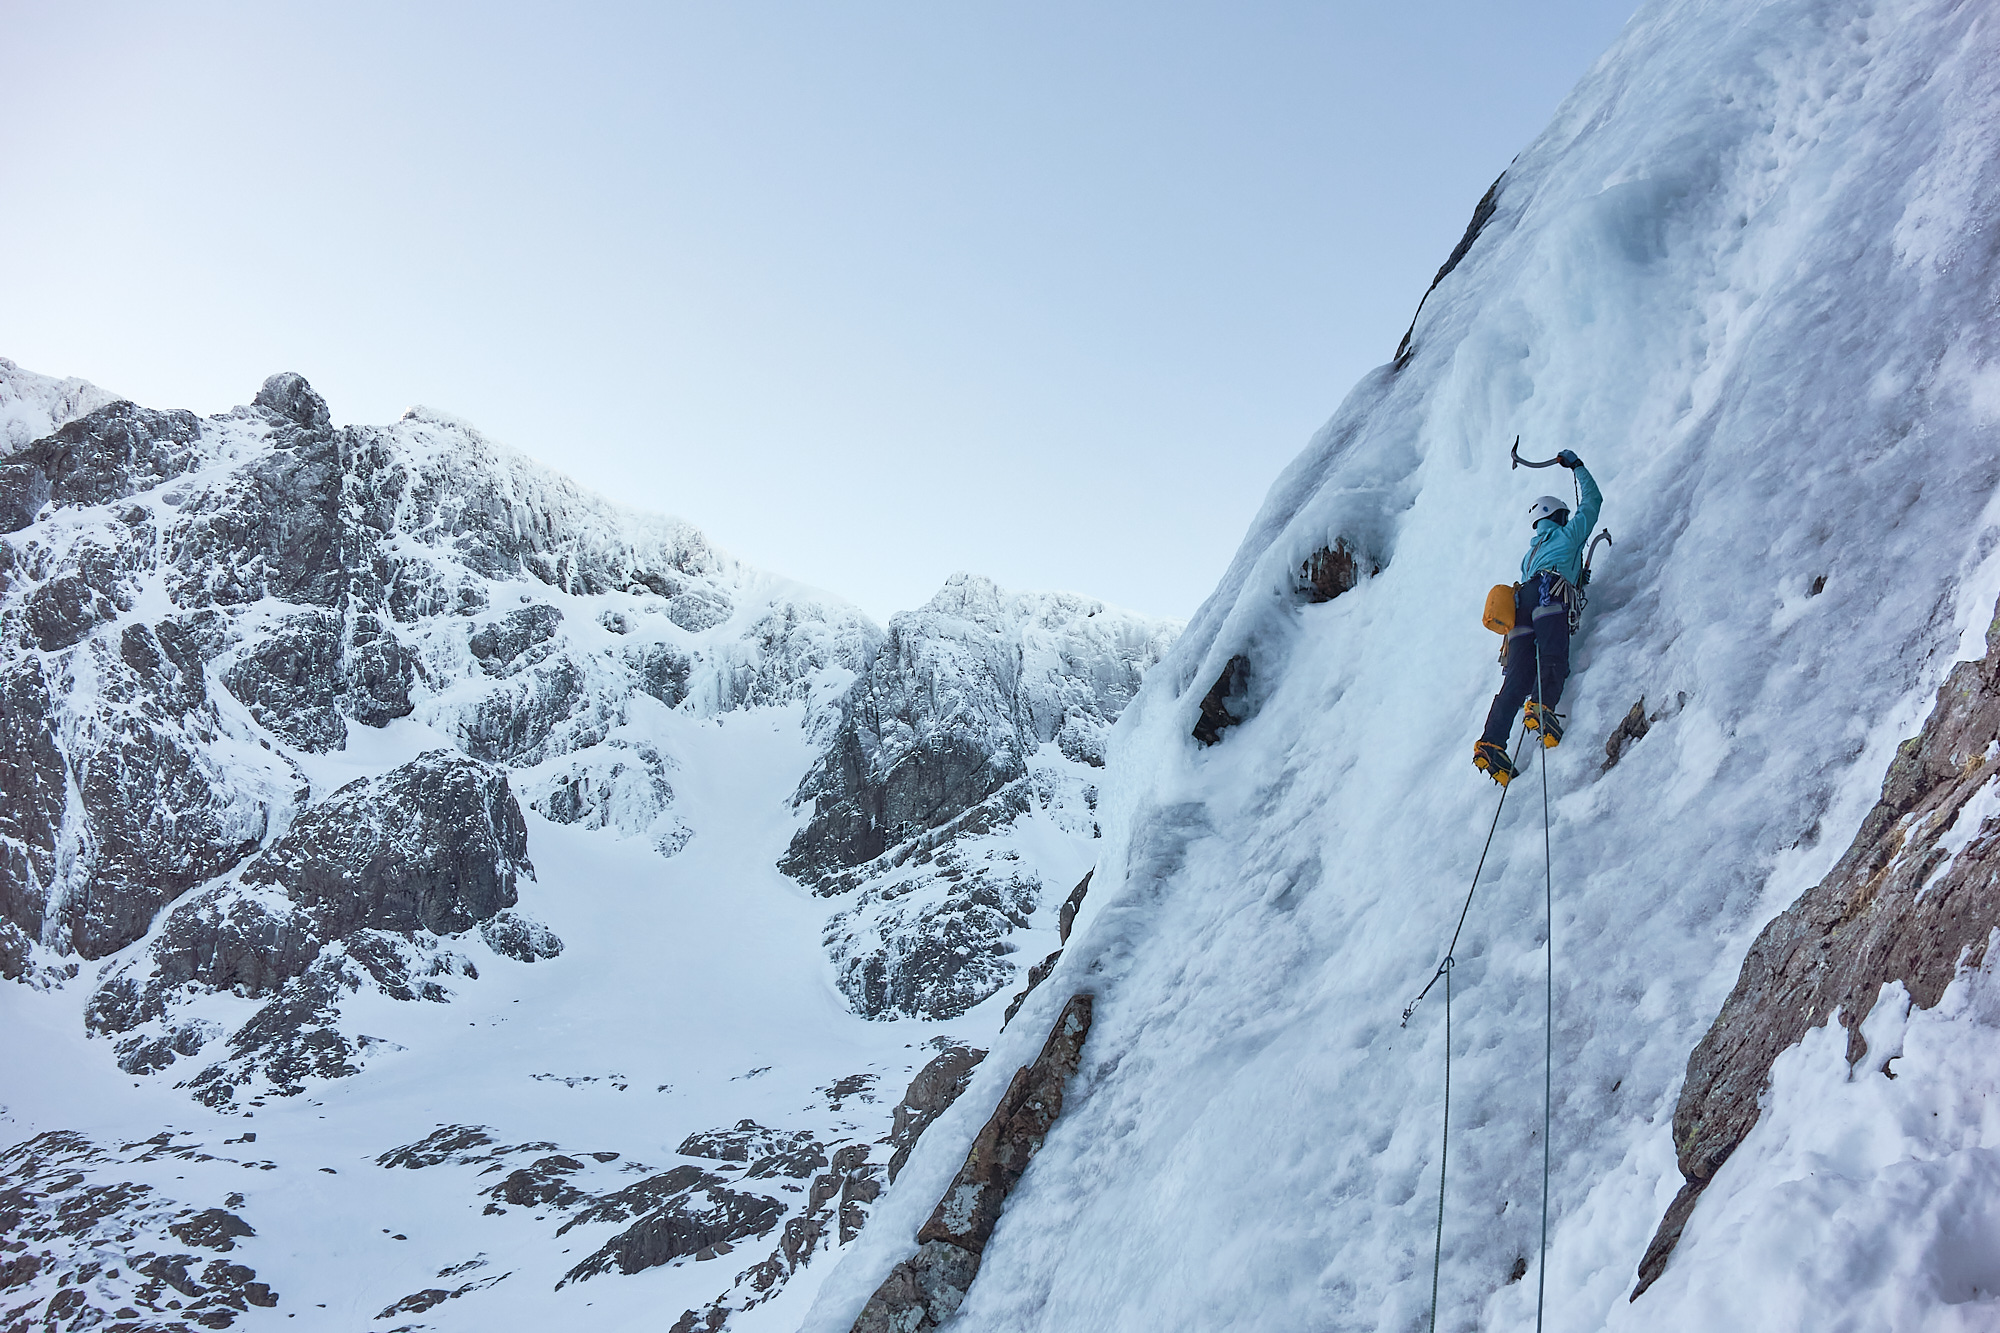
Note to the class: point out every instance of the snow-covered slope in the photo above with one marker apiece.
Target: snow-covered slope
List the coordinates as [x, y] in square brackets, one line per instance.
[389, 838]
[1749, 273]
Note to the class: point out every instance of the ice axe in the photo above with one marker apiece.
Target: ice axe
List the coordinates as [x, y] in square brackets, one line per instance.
[1529, 462]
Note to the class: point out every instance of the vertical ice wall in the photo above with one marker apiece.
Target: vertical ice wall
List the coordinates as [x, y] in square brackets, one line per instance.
[1749, 273]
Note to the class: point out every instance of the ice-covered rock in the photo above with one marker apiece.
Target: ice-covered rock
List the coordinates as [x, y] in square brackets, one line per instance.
[982, 709]
[32, 406]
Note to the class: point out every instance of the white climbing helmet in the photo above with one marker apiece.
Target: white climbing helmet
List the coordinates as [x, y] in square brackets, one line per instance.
[1547, 507]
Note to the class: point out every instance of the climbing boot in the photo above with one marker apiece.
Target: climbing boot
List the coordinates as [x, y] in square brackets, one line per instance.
[1492, 760]
[1545, 720]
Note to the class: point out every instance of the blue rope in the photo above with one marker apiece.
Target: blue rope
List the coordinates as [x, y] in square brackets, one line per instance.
[1444, 970]
[1548, 1030]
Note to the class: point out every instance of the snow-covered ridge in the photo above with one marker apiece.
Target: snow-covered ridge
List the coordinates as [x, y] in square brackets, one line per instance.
[32, 405]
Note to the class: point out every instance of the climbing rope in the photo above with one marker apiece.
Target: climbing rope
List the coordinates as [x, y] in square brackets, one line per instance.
[1444, 1146]
[1411, 1008]
[1548, 1029]
[1444, 970]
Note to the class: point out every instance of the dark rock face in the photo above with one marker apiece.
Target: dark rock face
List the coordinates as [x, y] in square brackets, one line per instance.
[926, 1289]
[1333, 570]
[514, 724]
[1036, 976]
[1482, 213]
[157, 818]
[543, 1183]
[434, 845]
[863, 812]
[936, 1086]
[1633, 726]
[278, 528]
[689, 1214]
[516, 640]
[1899, 906]
[1073, 904]
[958, 697]
[65, 609]
[662, 671]
[1226, 703]
[110, 454]
[287, 396]
[32, 776]
[287, 682]
[353, 895]
[303, 680]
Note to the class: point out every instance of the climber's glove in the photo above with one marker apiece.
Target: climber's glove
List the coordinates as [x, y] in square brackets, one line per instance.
[1569, 459]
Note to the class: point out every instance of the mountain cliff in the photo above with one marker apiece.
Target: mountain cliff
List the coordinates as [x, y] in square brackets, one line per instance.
[380, 783]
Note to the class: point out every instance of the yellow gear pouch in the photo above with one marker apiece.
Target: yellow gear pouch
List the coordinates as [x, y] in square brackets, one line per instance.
[1500, 608]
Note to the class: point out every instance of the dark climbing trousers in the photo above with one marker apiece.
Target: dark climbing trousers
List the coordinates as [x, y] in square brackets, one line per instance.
[1540, 639]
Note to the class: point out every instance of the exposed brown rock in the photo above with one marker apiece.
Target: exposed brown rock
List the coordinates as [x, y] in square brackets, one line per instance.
[1879, 917]
[1036, 976]
[935, 1088]
[926, 1289]
[1332, 570]
[1629, 729]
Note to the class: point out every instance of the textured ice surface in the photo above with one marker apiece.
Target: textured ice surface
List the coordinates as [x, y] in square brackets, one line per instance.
[1748, 273]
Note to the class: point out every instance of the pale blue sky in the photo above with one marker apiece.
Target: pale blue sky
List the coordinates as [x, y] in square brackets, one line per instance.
[870, 292]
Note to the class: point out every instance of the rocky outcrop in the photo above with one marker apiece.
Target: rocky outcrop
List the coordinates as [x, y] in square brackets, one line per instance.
[89, 1243]
[962, 692]
[125, 724]
[1226, 703]
[1333, 570]
[357, 893]
[931, 1093]
[687, 1213]
[1914, 900]
[434, 845]
[1066, 917]
[806, 1193]
[980, 707]
[926, 1289]
[1482, 213]
[111, 454]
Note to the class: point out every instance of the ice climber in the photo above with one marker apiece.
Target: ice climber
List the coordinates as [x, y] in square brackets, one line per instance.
[1551, 573]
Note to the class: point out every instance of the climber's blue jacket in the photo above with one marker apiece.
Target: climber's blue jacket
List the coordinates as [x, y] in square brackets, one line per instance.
[1561, 548]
